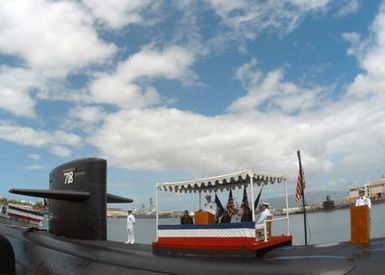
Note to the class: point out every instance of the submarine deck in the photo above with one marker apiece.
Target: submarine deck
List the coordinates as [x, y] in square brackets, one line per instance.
[38, 252]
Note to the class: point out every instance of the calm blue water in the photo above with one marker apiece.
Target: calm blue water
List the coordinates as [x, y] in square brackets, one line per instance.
[323, 227]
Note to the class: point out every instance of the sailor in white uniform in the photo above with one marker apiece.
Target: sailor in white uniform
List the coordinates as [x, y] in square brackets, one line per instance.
[362, 199]
[210, 206]
[130, 227]
[236, 217]
[259, 224]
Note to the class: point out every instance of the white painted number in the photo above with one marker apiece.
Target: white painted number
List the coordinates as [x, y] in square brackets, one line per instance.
[68, 177]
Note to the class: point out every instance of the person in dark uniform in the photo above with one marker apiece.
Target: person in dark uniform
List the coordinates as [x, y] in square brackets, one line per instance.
[186, 218]
[226, 218]
[247, 215]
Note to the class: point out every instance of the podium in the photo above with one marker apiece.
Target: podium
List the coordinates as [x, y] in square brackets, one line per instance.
[203, 217]
[359, 224]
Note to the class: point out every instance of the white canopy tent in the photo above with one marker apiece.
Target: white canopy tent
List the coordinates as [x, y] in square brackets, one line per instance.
[224, 182]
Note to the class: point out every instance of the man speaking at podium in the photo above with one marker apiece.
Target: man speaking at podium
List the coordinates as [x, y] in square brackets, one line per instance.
[362, 199]
[360, 219]
[210, 206]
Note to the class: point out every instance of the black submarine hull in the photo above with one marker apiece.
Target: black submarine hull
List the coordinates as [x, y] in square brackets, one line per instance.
[39, 252]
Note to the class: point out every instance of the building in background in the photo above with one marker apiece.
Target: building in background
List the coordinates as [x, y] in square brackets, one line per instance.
[375, 190]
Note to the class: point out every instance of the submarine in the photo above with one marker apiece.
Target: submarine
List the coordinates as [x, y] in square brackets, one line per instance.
[75, 242]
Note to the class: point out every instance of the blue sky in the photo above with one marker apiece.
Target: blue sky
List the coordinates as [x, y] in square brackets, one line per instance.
[173, 90]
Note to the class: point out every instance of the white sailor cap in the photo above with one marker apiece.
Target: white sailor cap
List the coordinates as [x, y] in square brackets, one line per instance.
[266, 203]
[361, 190]
[208, 196]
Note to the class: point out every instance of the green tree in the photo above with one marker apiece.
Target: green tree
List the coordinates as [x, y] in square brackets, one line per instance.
[38, 206]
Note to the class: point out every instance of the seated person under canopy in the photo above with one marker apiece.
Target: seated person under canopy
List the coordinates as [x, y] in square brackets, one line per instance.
[226, 218]
[186, 218]
[265, 212]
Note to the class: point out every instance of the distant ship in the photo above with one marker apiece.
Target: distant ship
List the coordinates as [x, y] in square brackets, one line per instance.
[144, 211]
[12, 214]
[328, 204]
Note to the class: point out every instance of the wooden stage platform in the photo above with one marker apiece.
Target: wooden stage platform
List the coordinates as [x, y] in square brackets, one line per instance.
[213, 239]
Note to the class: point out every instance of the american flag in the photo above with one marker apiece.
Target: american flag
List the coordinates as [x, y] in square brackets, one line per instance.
[245, 202]
[230, 204]
[300, 181]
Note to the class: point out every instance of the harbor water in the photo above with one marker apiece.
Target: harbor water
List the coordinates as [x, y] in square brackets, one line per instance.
[323, 227]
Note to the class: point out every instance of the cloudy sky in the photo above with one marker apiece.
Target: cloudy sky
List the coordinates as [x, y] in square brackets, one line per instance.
[174, 90]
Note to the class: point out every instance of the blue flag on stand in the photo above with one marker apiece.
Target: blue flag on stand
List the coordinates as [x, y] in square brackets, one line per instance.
[257, 199]
[220, 209]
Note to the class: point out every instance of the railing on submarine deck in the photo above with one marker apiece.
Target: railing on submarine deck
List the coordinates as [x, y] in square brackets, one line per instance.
[271, 221]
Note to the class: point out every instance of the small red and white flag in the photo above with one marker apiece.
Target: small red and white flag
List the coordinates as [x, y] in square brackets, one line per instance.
[245, 201]
[230, 204]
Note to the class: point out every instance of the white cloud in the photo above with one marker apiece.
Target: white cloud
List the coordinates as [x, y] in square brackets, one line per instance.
[40, 139]
[164, 138]
[118, 13]
[34, 167]
[335, 137]
[170, 138]
[15, 86]
[48, 40]
[335, 140]
[249, 18]
[350, 7]
[172, 62]
[309, 5]
[23, 135]
[60, 151]
[270, 93]
[84, 118]
[88, 115]
[114, 89]
[357, 133]
[358, 48]
[62, 137]
[370, 53]
[52, 37]
[34, 156]
[125, 87]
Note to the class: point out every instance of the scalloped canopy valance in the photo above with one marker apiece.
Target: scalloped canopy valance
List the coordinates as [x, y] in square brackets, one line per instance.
[222, 182]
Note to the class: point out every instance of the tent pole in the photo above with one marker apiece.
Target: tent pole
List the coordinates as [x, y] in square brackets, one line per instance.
[252, 197]
[287, 208]
[157, 213]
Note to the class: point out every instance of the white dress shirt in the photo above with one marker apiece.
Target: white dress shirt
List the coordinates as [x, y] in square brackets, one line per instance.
[236, 218]
[130, 220]
[260, 223]
[364, 201]
[211, 207]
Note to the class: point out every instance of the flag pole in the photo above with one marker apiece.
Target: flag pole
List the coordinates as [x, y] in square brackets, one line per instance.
[302, 194]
